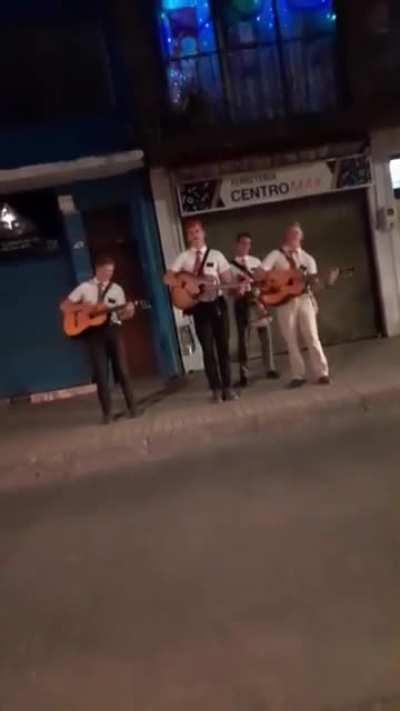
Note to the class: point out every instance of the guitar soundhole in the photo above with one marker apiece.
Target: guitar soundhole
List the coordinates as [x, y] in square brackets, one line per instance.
[290, 282]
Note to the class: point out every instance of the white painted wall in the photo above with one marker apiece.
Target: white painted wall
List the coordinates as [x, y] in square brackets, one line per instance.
[172, 243]
[385, 144]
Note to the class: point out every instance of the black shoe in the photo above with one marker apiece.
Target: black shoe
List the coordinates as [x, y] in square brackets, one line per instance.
[296, 383]
[216, 398]
[230, 395]
[273, 375]
[324, 380]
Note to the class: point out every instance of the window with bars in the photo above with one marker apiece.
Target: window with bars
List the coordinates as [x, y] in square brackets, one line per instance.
[248, 60]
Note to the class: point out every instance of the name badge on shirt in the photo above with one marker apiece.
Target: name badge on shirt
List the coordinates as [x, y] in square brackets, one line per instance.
[210, 264]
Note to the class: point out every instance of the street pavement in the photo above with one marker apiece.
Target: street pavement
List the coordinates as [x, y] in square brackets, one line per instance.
[63, 440]
[259, 575]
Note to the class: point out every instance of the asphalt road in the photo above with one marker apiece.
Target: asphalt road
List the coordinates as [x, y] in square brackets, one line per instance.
[260, 577]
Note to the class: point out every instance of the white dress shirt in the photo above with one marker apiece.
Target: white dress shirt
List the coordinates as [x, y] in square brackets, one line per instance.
[277, 260]
[249, 262]
[252, 264]
[215, 265]
[88, 293]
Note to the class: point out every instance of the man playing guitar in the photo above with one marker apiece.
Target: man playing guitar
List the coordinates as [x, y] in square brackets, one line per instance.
[245, 265]
[299, 313]
[210, 313]
[105, 342]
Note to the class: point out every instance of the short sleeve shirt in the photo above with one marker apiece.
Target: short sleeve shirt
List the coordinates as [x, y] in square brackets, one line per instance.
[249, 262]
[88, 293]
[277, 260]
[215, 265]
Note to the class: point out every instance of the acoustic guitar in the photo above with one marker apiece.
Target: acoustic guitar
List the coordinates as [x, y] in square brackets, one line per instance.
[93, 315]
[189, 289]
[282, 285]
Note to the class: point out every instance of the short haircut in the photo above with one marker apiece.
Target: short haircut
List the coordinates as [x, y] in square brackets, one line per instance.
[243, 235]
[190, 222]
[102, 259]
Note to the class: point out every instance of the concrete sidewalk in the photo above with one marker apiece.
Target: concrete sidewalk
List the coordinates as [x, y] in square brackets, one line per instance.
[63, 441]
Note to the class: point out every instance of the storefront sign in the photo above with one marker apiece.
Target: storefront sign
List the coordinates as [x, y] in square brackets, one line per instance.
[298, 181]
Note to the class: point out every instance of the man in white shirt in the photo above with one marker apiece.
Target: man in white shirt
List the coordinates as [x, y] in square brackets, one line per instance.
[106, 342]
[210, 313]
[245, 265]
[299, 314]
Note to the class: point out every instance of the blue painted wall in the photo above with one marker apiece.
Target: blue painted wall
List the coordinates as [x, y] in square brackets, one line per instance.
[34, 354]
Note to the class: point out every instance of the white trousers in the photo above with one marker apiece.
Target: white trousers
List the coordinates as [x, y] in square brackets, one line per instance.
[298, 316]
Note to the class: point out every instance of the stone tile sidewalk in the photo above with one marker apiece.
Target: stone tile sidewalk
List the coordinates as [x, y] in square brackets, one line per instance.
[62, 440]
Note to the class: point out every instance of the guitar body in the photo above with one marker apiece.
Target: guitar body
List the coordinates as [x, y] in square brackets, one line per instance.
[93, 315]
[189, 288]
[88, 316]
[280, 286]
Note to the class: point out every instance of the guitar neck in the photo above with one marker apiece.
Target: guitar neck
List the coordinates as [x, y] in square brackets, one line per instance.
[138, 303]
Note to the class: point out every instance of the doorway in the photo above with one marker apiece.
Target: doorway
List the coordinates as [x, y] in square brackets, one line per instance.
[109, 232]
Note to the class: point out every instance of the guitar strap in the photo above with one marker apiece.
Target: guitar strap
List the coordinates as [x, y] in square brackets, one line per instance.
[242, 268]
[203, 262]
[102, 294]
[246, 298]
[190, 312]
[290, 259]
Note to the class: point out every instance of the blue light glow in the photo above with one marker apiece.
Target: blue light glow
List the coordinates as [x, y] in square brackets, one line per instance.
[190, 50]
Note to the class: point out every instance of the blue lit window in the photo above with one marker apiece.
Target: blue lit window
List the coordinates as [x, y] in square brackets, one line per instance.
[280, 56]
[190, 51]
[272, 58]
[308, 29]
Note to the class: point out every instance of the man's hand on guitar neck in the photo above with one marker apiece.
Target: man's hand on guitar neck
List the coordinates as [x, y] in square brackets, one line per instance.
[127, 312]
[333, 276]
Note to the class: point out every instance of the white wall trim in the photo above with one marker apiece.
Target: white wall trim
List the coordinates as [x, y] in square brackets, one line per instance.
[32, 177]
[386, 238]
[172, 243]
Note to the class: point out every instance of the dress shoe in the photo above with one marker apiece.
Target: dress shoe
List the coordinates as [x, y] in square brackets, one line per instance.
[230, 395]
[273, 375]
[296, 383]
[324, 380]
[216, 398]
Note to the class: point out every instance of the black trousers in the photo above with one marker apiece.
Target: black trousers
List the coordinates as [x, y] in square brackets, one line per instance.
[211, 321]
[106, 346]
[242, 316]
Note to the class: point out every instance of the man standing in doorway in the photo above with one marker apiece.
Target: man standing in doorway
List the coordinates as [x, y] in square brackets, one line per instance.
[211, 312]
[299, 314]
[245, 265]
[105, 342]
